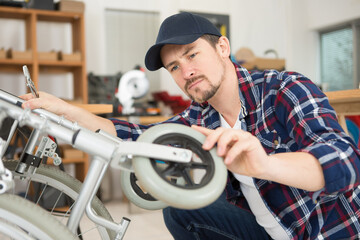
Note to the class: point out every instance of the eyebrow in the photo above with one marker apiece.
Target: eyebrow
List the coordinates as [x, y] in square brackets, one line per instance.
[187, 50]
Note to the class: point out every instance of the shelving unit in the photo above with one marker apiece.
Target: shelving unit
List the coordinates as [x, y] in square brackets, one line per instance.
[37, 66]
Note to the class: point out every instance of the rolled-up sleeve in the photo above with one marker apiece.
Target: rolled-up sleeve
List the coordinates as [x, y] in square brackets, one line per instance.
[130, 131]
[312, 123]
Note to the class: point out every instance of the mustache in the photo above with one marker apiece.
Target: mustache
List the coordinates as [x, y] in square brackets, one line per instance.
[192, 80]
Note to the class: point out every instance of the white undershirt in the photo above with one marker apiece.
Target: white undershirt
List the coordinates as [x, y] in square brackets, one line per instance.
[262, 213]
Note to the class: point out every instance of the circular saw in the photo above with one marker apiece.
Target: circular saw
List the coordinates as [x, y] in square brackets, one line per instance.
[132, 85]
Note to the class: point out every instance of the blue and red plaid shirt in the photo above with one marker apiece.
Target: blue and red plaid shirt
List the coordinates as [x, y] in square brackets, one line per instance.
[288, 113]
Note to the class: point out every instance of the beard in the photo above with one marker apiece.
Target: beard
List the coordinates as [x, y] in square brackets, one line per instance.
[200, 95]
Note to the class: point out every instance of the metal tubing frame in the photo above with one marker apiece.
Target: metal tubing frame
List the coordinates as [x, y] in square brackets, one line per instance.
[118, 228]
[103, 148]
[88, 190]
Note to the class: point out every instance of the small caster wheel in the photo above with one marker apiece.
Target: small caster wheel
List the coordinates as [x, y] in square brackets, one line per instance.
[199, 182]
[135, 193]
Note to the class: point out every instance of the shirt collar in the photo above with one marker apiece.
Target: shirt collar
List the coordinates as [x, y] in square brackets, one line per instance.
[248, 91]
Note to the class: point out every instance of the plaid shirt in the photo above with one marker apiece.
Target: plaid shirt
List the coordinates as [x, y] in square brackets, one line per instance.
[288, 113]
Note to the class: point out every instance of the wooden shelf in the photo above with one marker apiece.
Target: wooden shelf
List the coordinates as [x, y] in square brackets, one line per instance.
[144, 120]
[96, 108]
[14, 13]
[8, 61]
[31, 18]
[42, 15]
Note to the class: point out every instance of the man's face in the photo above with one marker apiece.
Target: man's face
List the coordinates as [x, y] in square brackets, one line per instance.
[197, 68]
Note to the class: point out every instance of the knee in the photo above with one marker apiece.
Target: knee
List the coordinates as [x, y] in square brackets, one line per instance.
[177, 222]
[178, 219]
[172, 216]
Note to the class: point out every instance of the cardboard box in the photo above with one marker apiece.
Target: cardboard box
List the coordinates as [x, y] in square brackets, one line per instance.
[2, 53]
[70, 57]
[19, 54]
[51, 56]
[70, 6]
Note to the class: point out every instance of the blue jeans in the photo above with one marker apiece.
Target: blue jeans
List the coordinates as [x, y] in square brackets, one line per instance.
[218, 221]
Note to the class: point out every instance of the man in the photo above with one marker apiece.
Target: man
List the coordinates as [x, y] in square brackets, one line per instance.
[294, 172]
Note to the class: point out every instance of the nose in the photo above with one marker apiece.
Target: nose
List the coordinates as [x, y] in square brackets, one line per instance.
[188, 71]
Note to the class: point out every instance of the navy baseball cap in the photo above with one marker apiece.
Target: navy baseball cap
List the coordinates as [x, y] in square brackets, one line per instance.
[182, 28]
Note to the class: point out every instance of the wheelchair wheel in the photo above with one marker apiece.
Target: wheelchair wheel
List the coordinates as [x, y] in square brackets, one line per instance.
[135, 193]
[183, 185]
[21, 219]
[49, 181]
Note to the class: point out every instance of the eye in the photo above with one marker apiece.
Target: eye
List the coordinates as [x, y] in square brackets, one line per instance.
[174, 68]
[192, 55]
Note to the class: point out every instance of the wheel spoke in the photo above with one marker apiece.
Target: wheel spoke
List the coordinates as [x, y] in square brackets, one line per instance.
[57, 200]
[197, 165]
[41, 193]
[184, 143]
[171, 170]
[27, 189]
[186, 175]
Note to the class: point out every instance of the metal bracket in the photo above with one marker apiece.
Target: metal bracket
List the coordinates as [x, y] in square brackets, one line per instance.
[127, 150]
[31, 160]
[47, 148]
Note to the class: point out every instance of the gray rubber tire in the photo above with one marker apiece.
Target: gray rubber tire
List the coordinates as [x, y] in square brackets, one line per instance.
[29, 220]
[62, 181]
[142, 200]
[178, 195]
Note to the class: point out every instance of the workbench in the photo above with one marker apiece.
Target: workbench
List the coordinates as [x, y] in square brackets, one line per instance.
[345, 103]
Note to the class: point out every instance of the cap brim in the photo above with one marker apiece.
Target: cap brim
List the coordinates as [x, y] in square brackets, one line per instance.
[152, 58]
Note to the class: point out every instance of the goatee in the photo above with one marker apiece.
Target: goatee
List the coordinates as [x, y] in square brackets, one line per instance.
[206, 95]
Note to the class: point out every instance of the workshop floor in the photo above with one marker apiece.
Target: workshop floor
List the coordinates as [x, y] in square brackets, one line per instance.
[145, 225]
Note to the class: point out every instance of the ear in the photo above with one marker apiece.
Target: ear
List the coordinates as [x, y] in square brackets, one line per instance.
[223, 46]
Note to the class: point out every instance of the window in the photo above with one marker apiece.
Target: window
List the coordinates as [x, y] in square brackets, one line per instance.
[339, 56]
[129, 34]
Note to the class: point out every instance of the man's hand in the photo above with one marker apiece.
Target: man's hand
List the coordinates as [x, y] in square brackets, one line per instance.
[48, 102]
[242, 152]
[70, 112]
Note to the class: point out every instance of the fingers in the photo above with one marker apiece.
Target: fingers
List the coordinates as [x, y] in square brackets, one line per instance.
[208, 144]
[242, 152]
[224, 138]
[226, 141]
[27, 96]
[203, 130]
[211, 136]
[236, 149]
[32, 103]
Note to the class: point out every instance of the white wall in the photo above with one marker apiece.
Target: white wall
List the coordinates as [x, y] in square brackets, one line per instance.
[259, 25]
[289, 27]
[325, 13]
[308, 17]
[95, 32]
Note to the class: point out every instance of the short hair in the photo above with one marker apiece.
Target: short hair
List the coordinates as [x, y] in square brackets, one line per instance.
[211, 39]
